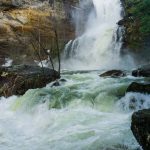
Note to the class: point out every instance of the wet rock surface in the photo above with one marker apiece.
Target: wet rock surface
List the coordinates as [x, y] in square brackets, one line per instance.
[139, 88]
[143, 71]
[55, 84]
[140, 127]
[113, 73]
[16, 80]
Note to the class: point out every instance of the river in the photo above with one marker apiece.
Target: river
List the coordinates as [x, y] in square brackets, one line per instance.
[87, 112]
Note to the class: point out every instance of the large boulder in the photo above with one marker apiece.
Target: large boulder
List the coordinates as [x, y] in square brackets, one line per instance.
[113, 73]
[16, 80]
[143, 71]
[139, 88]
[140, 127]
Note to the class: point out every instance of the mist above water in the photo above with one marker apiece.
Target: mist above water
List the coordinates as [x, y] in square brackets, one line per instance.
[100, 44]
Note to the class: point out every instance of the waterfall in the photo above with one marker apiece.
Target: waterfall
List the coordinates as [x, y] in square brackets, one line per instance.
[99, 46]
[86, 111]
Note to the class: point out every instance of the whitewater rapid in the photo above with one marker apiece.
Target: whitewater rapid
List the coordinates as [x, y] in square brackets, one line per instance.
[86, 112]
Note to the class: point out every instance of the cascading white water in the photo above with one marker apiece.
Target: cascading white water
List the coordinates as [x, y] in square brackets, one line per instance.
[99, 46]
[86, 112]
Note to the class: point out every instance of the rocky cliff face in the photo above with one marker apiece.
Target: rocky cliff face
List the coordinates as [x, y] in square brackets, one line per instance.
[23, 23]
[137, 32]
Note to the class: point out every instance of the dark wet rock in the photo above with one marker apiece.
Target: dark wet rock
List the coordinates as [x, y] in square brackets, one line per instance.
[113, 73]
[2, 60]
[121, 22]
[16, 80]
[140, 127]
[63, 80]
[144, 71]
[139, 88]
[56, 84]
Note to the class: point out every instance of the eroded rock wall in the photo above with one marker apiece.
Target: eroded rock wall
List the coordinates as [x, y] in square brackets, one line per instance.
[23, 23]
[137, 32]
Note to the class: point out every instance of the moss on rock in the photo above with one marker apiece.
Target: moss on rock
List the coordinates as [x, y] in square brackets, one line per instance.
[137, 23]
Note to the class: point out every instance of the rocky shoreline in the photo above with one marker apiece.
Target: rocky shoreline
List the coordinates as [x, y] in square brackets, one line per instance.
[16, 80]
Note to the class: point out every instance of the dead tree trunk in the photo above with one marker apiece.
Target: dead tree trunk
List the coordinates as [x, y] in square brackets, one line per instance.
[58, 50]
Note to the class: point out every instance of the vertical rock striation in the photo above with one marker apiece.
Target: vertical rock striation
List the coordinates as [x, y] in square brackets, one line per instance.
[25, 22]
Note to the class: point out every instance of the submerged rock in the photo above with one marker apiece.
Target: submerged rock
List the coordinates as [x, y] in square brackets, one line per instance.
[63, 80]
[56, 84]
[144, 71]
[16, 80]
[140, 127]
[113, 73]
[139, 88]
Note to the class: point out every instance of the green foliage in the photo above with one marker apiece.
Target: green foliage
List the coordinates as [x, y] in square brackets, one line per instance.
[145, 25]
[140, 9]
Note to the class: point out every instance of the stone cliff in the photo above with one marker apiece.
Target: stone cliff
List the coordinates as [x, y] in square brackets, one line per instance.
[137, 28]
[23, 23]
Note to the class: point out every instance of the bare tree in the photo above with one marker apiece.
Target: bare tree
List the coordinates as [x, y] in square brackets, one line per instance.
[44, 49]
[39, 46]
[58, 50]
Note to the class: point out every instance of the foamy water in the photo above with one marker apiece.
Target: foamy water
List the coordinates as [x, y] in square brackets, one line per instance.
[86, 112]
[99, 46]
